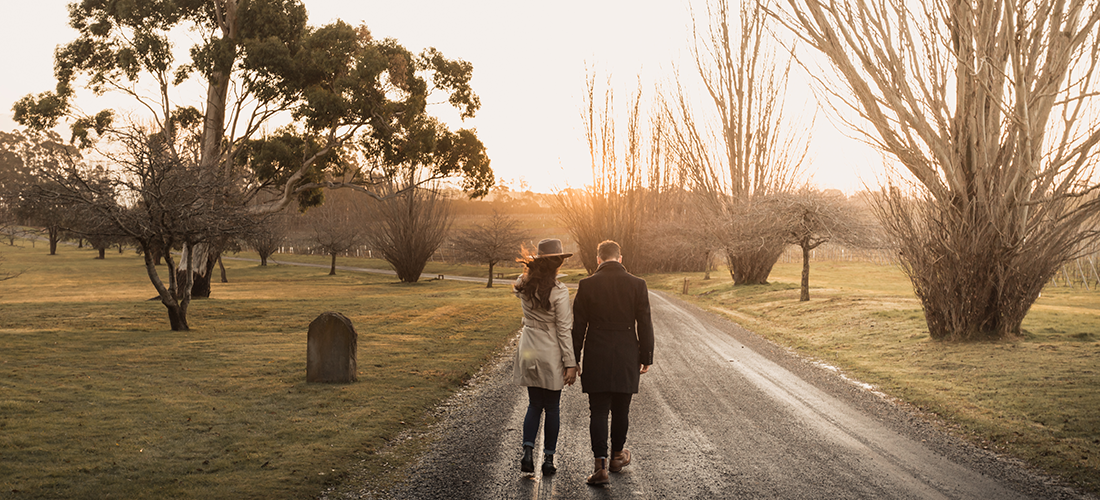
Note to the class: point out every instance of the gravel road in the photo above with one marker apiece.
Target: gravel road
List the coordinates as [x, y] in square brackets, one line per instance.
[723, 413]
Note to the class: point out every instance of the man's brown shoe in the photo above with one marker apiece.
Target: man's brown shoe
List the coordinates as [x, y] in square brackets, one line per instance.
[600, 476]
[620, 460]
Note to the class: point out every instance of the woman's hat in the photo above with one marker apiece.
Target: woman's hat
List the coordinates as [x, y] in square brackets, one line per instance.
[551, 247]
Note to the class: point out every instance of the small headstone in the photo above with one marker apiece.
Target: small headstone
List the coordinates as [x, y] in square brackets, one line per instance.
[331, 349]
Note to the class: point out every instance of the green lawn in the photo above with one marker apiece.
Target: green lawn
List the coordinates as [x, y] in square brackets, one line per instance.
[98, 398]
[1035, 397]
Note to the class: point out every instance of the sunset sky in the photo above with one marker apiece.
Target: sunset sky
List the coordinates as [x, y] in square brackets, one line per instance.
[530, 62]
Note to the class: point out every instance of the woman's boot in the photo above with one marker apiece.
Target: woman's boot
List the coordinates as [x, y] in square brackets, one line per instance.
[527, 463]
[548, 465]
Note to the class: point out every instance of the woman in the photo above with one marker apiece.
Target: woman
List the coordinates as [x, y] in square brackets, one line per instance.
[544, 358]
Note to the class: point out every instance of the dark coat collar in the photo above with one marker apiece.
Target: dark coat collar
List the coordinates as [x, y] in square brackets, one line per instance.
[610, 265]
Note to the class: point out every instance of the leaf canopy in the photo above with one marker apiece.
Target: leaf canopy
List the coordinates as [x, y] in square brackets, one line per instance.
[263, 65]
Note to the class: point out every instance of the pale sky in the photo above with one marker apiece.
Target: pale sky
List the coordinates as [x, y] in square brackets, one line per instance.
[529, 61]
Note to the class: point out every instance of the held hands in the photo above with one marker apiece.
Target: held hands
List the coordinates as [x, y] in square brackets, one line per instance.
[570, 375]
[644, 369]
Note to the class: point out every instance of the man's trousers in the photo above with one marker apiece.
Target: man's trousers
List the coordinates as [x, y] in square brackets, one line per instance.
[618, 405]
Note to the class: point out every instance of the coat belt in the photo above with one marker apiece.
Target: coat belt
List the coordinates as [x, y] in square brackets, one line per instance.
[534, 323]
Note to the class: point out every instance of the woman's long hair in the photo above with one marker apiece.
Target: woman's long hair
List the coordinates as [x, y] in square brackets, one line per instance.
[539, 277]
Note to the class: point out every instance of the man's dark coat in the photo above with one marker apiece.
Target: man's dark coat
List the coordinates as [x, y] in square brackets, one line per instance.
[612, 328]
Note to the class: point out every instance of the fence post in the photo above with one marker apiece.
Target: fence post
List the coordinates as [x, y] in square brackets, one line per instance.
[1084, 277]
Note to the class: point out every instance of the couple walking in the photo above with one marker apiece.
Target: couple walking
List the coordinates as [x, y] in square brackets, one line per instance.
[609, 324]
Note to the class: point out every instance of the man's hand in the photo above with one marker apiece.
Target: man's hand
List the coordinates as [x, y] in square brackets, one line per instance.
[570, 375]
[645, 368]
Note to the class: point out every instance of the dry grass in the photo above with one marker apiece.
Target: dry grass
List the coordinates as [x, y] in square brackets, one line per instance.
[1033, 397]
[98, 398]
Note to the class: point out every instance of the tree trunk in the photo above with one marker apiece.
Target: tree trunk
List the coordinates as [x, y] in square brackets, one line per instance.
[752, 267]
[217, 92]
[332, 269]
[102, 253]
[225, 279]
[409, 272]
[176, 305]
[185, 288]
[201, 277]
[177, 317]
[973, 287]
[55, 235]
[263, 260]
[201, 285]
[805, 296]
[490, 283]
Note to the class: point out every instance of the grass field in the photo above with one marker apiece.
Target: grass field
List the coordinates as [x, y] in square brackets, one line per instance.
[98, 398]
[1035, 397]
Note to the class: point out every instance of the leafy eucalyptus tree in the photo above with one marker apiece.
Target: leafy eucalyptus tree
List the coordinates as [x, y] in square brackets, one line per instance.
[285, 109]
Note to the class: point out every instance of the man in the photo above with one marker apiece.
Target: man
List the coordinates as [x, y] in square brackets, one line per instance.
[613, 330]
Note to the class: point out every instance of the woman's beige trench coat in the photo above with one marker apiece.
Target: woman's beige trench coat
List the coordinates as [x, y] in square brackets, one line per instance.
[546, 343]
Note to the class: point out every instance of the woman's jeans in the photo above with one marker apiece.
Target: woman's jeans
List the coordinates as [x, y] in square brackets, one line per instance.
[540, 400]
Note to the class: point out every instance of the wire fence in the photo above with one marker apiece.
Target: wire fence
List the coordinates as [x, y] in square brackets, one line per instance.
[1083, 272]
[838, 253]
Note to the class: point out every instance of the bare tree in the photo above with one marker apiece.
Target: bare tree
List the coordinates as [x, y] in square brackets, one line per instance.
[96, 237]
[337, 226]
[608, 207]
[745, 148]
[38, 207]
[632, 192]
[990, 106]
[268, 235]
[155, 194]
[575, 209]
[86, 225]
[9, 230]
[705, 232]
[495, 241]
[811, 218]
[408, 228]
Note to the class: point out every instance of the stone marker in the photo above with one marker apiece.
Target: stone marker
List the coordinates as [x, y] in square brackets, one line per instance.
[330, 349]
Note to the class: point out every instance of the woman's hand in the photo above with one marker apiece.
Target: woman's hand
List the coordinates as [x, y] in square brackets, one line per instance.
[570, 375]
